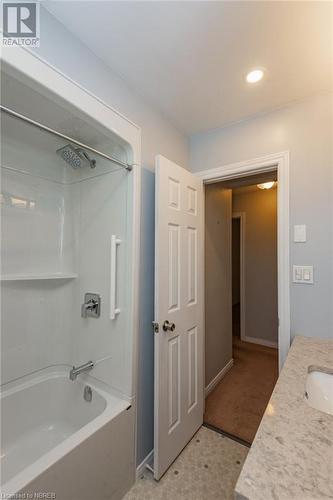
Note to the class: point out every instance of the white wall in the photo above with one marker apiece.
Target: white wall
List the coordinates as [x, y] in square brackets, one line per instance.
[305, 129]
[62, 50]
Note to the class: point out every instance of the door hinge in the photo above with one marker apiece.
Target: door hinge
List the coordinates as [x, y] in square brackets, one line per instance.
[156, 327]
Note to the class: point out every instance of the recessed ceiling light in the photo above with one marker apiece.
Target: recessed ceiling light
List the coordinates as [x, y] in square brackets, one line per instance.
[254, 76]
[266, 185]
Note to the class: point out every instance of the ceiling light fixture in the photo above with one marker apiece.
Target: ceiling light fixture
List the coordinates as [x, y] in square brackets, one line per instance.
[254, 76]
[266, 185]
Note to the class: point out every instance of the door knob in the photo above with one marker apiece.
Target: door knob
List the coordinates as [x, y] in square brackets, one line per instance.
[168, 327]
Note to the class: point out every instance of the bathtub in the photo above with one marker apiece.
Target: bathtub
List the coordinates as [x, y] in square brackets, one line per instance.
[57, 444]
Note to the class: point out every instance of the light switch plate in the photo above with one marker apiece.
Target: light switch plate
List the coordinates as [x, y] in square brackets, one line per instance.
[300, 233]
[303, 274]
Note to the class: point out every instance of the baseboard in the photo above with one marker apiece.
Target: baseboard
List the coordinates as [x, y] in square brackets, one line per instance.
[266, 343]
[148, 460]
[213, 383]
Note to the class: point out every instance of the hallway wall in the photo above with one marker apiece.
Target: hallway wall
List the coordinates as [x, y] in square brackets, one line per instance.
[235, 261]
[261, 301]
[218, 320]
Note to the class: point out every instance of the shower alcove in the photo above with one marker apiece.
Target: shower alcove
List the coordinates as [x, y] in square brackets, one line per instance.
[65, 232]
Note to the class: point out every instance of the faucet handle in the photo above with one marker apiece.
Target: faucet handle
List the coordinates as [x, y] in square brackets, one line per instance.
[91, 306]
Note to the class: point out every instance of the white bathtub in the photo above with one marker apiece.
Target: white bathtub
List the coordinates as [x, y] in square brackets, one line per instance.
[46, 423]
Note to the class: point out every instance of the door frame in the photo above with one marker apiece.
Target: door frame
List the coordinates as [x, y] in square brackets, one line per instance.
[280, 163]
[242, 219]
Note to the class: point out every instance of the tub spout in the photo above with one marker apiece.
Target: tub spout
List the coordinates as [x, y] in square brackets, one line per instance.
[76, 370]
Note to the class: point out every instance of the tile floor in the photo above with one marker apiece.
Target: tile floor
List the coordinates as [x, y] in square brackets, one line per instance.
[207, 469]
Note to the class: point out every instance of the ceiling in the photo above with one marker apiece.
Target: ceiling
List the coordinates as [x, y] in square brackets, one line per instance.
[249, 183]
[249, 189]
[189, 59]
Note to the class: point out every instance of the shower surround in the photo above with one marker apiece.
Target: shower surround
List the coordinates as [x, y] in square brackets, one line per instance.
[74, 438]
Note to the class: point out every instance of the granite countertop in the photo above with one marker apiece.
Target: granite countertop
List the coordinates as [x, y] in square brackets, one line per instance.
[292, 455]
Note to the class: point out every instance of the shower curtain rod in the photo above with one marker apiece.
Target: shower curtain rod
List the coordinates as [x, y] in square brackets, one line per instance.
[13, 113]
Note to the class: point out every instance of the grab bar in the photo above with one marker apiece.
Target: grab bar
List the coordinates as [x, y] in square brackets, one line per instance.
[114, 310]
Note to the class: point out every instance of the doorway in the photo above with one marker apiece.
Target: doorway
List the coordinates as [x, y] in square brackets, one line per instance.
[241, 303]
[180, 268]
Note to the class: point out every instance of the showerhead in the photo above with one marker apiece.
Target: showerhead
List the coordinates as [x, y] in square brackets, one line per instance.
[76, 158]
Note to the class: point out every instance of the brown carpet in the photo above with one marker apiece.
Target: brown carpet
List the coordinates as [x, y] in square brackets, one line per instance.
[238, 402]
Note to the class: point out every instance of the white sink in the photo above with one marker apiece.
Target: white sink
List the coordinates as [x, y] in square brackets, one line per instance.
[319, 389]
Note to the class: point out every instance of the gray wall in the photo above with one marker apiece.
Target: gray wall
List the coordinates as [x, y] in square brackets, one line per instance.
[62, 50]
[218, 317]
[235, 261]
[305, 129]
[261, 313]
[145, 394]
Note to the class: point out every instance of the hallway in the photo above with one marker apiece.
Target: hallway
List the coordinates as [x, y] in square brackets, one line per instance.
[238, 402]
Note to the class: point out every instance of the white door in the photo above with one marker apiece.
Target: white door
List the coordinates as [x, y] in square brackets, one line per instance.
[179, 243]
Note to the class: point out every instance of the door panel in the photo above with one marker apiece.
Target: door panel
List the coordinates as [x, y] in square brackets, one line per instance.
[179, 300]
[174, 382]
[192, 265]
[192, 368]
[174, 264]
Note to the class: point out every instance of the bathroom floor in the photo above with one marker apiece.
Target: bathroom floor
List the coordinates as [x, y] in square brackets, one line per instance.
[208, 468]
